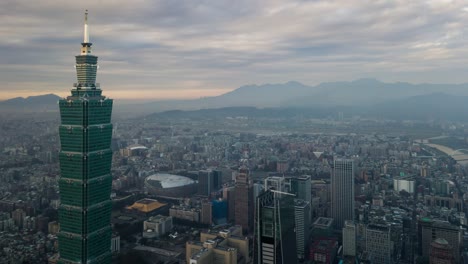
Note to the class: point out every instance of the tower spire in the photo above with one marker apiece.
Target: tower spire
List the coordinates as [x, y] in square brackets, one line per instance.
[86, 45]
[86, 32]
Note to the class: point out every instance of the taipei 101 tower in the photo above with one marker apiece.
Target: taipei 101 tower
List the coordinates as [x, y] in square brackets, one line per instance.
[85, 166]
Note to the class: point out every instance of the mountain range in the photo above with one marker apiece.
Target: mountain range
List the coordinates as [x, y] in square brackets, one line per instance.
[294, 94]
[40, 103]
[368, 97]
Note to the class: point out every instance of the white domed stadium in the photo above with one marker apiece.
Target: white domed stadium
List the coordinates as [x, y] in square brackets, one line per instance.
[170, 185]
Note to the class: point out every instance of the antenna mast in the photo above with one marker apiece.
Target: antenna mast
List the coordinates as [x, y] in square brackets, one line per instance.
[86, 32]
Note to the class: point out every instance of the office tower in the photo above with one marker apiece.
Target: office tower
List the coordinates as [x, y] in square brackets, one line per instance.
[408, 239]
[209, 181]
[85, 163]
[275, 239]
[257, 190]
[302, 221]
[217, 180]
[229, 195]
[342, 192]
[349, 239]
[441, 252]
[302, 188]
[431, 230]
[205, 179]
[207, 212]
[275, 183]
[361, 235]
[379, 244]
[244, 204]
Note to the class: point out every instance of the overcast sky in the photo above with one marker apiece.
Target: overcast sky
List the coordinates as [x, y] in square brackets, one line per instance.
[189, 49]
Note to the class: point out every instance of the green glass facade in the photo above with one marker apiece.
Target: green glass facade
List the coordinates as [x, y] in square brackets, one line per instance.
[85, 167]
[274, 234]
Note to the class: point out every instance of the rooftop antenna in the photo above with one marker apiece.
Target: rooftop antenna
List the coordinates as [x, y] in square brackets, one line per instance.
[86, 33]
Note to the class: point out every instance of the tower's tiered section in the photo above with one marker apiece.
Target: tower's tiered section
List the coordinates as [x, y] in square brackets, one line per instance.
[85, 166]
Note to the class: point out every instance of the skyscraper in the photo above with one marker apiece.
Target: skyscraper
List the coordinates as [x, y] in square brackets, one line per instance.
[207, 212]
[230, 196]
[302, 222]
[349, 239]
[302, 188]
[85, 163]
[205, 182]
[217, 180]
[209, 181]
[244, 203]
[342, 192]
[275, 238]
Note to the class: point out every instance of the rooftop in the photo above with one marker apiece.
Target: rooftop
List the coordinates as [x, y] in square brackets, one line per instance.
[165, 180]
[146, 205]
[324, 245]
[135, 147]
[323, 222]
[158, 218]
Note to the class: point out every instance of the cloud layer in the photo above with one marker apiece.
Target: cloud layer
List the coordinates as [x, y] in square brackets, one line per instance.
[194, 48]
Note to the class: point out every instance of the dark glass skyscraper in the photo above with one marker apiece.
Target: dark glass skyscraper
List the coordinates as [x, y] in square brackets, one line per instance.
[275, 235]
[342, 191]
[244, 203]
[85, 164]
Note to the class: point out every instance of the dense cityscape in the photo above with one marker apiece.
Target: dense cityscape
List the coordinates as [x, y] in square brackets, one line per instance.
[180, 184]
[80, 184]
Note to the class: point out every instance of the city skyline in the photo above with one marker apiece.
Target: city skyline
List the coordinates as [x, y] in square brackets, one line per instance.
[193, 49]
[247, 185]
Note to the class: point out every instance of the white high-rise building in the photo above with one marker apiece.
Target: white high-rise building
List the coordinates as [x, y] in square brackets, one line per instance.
[342, 192]
[302, 219]
[407, 184]
[349, 239]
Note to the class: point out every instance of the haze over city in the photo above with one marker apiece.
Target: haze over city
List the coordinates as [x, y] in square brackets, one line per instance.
[190, 49]
[233, 132]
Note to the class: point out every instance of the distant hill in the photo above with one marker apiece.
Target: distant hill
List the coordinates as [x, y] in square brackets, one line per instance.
[364, 97]
[40, 103]
[293, 94]
[435, 106]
